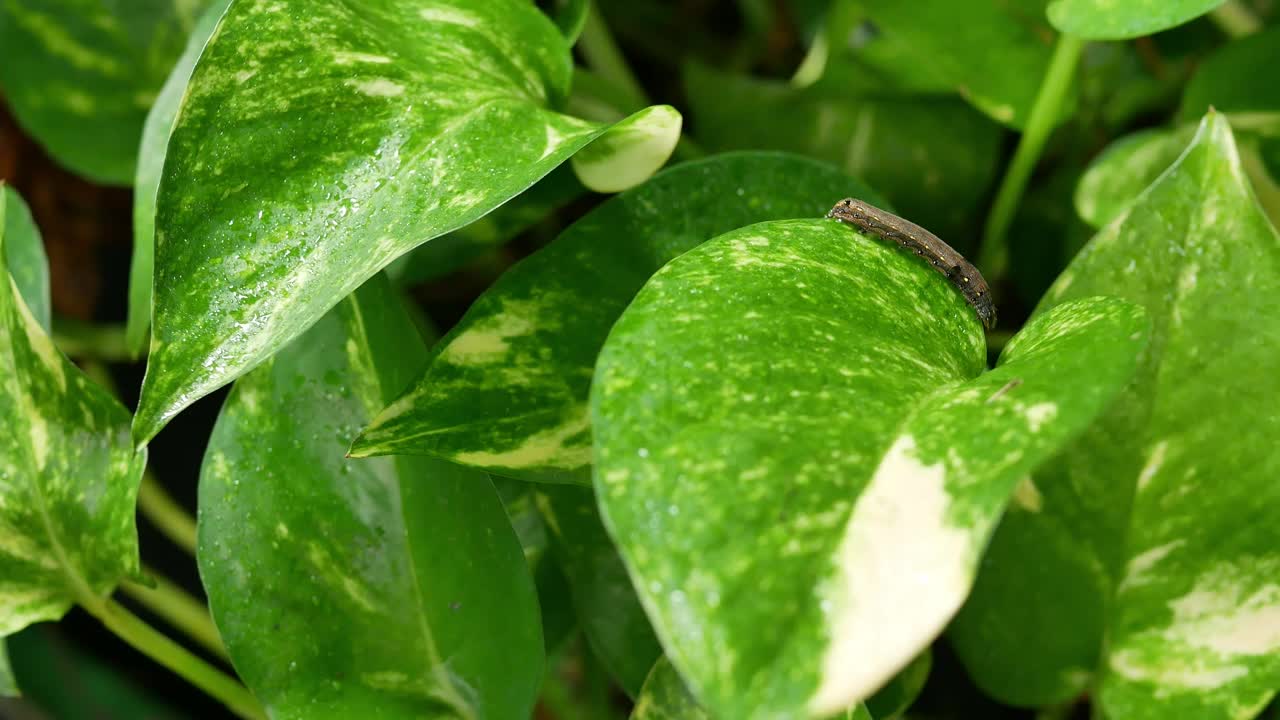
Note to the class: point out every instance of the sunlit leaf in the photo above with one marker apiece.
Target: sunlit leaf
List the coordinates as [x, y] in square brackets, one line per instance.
[366, 572]
[1153, 581]
[316, 143]
[800, 456]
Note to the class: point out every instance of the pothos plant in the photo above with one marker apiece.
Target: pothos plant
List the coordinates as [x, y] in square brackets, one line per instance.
[760, 461]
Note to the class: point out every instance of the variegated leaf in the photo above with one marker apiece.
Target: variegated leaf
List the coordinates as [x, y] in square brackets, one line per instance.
[318, 142]
[80, 75]
[800, 456]
[376, 577]
[155, 141]
[1154, 582]
[24, 256]
[68, 474]
[506, 390]
[1111, 20]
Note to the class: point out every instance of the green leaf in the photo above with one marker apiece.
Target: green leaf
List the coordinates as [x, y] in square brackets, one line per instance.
[350, 588]
[933, 158]
[893, 699]
[997, 62]
[24, 255]
[1154, 576]
[1110, 20]
[389, 124]
[1230, 81]
[155, 141]
[69, 683]
[80, 75]
[762, 383]
[507, 389]
[570, 17]
[607, 607]
[1116, 177]
[68, 475]
[665, 697]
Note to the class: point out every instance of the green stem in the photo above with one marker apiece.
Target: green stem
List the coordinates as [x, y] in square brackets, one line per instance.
[604, 57]
[162, 649]
[1235, 19]
[99, 342]
[993, 260]
[171, 519]
[179, 609]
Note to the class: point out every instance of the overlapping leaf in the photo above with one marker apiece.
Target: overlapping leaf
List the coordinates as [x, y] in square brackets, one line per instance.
[800, 457]
[933, 157]
[155, 141]
[606, 604]
[507, 389]
[80, 75]
[375, 578]
[1110, 20]
[665, 697]
[68, 474]
[1232, 79]
[24, 256]
[993, 53]
[318, 142]
[1154, 580]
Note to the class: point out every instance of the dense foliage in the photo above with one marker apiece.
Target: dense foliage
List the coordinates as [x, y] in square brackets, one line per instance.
[702, 452]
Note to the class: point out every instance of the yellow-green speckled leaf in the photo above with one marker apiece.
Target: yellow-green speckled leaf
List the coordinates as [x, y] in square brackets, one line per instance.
[506, 390]
[80, 75]
[68, 474]
[389, 588]
[155, 141]
[1155, 580]
[800, 456]
[1123, 19]
[317, 142]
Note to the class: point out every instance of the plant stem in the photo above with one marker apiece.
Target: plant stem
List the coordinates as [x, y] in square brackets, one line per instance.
[99, 342]
[162, 649]
[604, 57]
[993, 260]
[1235, 19]
[171, 519]
[179, 609]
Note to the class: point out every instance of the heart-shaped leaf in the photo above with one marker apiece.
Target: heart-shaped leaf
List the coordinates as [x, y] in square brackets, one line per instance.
[1110, 20]
[68, 474]
[606, 604]
[80, 75]
[507, 389]
[346, 137]
[800, 456]
[993, 52]
[364, 571]
[155, 142]
[1153, 581]
[24, 256]
[952, 149]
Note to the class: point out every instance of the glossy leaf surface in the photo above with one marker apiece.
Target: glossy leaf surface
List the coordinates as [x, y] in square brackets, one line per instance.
[993, 52]
[24, 256]
[1110, 20]
[68, 474]
[800, 456]
[1153, 584]
[606, 605]
[932, 157]
[507, 388]
[80, 75]
[155, 142]
[358, 588]
[318, 142]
